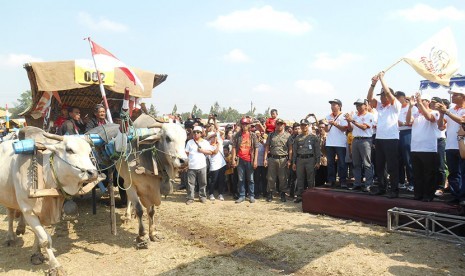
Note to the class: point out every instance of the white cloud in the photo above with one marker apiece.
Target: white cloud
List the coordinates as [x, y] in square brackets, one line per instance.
[101, 24]
[236, 56]
[315, 87]
[261, 19]
[15, 60]
[422, 12]
[325, 62]
[262, 88]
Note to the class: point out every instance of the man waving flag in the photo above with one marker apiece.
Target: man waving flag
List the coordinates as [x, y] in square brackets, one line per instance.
[103, 58]
[436, 59]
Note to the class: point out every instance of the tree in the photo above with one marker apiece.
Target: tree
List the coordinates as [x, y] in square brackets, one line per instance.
[23, 103]
[153, 111]
[175, 109]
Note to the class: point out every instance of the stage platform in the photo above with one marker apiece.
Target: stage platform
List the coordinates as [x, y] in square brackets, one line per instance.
[359, 206]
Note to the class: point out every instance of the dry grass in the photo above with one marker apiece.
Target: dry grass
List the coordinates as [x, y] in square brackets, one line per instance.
[234, 239]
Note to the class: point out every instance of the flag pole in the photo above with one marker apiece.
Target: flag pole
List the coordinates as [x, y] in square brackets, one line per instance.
[392, 65]
[102, 90]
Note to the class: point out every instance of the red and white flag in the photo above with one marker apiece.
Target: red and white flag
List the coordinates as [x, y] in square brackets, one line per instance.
[103, 58]
[436, 59]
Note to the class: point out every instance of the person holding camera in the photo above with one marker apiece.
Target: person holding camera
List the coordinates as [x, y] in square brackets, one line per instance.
[336, 141]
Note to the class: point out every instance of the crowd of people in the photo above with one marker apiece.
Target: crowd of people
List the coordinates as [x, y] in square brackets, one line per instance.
[386, 144]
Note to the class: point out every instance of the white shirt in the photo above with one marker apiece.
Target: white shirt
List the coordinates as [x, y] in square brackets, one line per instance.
[388, 117]
[375, 119]
[217, 160]
[335, 137]
[197, 160]
[366, 119]
[424, 133]
[403, 117]
[453, 128]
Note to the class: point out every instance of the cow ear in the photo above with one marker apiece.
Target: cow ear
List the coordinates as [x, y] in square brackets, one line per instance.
[151, 139]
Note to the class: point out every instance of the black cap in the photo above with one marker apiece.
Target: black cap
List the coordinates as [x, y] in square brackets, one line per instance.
[399, 93]
[304, 122]
[436, 99]
[336, 101]
[280, 121]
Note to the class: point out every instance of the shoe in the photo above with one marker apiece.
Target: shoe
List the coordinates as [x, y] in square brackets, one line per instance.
[221, 198]
[212, 197]
[236, 196]
[366, 189]
[283, 197]
[439, 192]
[410, 188]
[252, 199]
[203, 200]
[355, 188]
[189, 202]
[269, 197]
[182, 187]
[343, 185]
[377, 191]
[257, 196]
[462, 202]
[402, 186]
[392, 194]
[240, 200]
[298, 200]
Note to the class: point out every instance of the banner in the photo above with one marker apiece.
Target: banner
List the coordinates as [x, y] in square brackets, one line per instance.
[436, 59]
[85, 73]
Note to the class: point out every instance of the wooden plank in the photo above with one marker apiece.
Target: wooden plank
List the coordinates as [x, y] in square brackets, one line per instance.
[34, 193]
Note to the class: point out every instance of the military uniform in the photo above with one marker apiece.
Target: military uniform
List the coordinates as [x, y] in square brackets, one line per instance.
[306, 154]
[278, 144]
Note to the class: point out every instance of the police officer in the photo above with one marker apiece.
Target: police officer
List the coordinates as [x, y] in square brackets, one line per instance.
[305, 158]
[276, 159]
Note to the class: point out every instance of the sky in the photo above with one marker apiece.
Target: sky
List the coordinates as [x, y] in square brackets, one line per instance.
[293, 55]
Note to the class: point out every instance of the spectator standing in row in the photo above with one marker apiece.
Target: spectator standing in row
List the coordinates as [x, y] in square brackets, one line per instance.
[454, 117]
[305, 158]
[245, 144]
[292, 176]
[261, 171]
[197, 148]
[387, 138]
[362, 130]
[424, 146]
[321, 175]
[217, 167]
[405, 141]
[441, 140]
[277, 161]
[336, 141]
[270, 123]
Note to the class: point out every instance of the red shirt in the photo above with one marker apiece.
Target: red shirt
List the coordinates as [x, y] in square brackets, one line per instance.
[59, 121]
[245, 148]
[270, 125]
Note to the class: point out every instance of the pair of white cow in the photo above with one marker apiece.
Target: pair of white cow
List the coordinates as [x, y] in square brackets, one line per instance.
[71, 157]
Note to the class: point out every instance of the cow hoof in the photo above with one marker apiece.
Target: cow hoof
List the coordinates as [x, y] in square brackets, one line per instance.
[156, 237]
[20, 231]
[37, 259]
[56, 271]
[141, 243]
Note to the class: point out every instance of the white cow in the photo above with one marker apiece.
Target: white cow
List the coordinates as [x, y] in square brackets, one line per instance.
[68, 155]
[145, 189]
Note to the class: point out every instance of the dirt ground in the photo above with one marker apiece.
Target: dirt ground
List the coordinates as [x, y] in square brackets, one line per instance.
[224, 238]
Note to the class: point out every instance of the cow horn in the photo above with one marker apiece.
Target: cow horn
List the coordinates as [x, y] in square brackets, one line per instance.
[40, 146]
[156, 125]
[53, 136]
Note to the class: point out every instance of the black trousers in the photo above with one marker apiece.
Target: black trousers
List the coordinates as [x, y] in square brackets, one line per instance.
[424, 172]
[387, 156]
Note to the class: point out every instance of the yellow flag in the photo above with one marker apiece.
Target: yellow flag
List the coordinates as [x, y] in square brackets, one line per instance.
[436, 59]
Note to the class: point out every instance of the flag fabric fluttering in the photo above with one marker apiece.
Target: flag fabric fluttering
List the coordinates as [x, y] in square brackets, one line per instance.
[435, 59]
[104, 58]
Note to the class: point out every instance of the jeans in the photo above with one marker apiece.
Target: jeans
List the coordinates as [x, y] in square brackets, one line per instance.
[456, 167]
[245, 173]
[331, 153]
[217, 179]
[405, 160]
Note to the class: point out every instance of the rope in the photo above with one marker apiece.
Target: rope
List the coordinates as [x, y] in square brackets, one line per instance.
[55, 177]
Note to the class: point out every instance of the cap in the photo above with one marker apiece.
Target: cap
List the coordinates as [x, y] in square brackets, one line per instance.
[459, 90]
[198, 128]
[210, 135]
[399, 94]
[360, 101]
[280, 121]
[304, 122]
[294, 125]
[436, 99]
[245, 121]
[336, 101]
